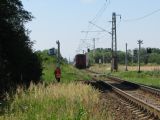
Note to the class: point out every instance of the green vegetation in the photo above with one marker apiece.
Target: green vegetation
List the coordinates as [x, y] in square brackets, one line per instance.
[53, 101]
[147, 56]
[56, 102]
[19, 64]
[151, 78]
[69, 73]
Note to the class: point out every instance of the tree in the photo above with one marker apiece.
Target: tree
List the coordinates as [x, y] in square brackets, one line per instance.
[121, 57]
[154, 58]
[18, 63]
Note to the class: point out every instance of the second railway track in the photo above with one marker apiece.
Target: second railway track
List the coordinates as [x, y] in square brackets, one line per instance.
[143, 100]
[148, 95]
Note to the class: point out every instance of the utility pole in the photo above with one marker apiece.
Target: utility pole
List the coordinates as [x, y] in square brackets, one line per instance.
[139, 42]
[58, 54]
[114, 62]
[94, 48]
[126, 59]
[103, 58]
[94, 45]
[132, 57]
[69, 61]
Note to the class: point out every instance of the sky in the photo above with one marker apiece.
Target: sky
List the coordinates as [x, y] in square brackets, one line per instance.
[64, 20]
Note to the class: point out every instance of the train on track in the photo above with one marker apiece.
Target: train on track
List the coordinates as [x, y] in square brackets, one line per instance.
[81, 61]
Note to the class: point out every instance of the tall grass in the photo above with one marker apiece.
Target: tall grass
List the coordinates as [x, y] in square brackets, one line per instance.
[151, 78]
[56, 102]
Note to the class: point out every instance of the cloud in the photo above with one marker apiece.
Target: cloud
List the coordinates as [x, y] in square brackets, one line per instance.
[87, 1]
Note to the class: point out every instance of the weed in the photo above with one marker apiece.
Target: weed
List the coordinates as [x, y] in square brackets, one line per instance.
[55, 102]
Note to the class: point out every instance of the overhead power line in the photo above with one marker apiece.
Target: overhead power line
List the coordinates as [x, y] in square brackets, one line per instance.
[94, 20]
[101, 11]
[98, 15]
[100, 27]
[91, 31]
[143, 17]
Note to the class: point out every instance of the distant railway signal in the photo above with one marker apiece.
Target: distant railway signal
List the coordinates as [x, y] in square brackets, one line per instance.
[149, 50]
[52, 52]
[135, 52]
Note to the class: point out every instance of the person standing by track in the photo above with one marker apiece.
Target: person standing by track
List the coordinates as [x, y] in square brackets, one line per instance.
[57, 74]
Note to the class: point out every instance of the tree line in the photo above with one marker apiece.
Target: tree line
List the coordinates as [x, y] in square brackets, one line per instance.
[19, 64]
[147, 55]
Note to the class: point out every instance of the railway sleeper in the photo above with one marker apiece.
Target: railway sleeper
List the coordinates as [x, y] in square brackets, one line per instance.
[138, 106]
[141, 104]
[136, 111]
[133, 101]
[139, 111]
[144, 118]
[151, 90]
[143, 87]
[141, 115]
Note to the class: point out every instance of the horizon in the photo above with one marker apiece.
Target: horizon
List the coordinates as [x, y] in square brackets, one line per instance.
[64, 20]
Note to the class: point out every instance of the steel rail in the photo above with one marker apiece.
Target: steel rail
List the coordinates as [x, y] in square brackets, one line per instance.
[150, 109]
[140, 104]
[143, 87]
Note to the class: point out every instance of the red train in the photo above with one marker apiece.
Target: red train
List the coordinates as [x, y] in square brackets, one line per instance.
[81, 61]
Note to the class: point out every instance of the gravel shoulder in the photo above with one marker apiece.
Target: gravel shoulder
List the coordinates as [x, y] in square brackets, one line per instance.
[116, 107]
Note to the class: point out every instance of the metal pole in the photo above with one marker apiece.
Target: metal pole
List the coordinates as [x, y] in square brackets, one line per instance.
[139, 42]
[139, 59]
[103, 58]
[94, 48]
[126, 60]
[114, 62]
[58, 54]
[113, 40]
[132, 57]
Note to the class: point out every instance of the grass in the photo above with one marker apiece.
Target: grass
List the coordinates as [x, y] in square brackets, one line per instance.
[100, 68]
[69, 73]
[56, 102]
[150, 78]
[48, 72]
[150, 75]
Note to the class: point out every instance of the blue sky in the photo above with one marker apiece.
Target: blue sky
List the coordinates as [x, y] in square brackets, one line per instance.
[64, 20]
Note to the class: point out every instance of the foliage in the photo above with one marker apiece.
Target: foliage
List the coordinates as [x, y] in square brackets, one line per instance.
[18, 63]
[154, 57]
[146, 56]
[100, 54]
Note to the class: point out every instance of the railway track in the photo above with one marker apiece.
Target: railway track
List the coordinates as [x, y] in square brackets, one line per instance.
[144, 101]
[145, 98]
[143, 87]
